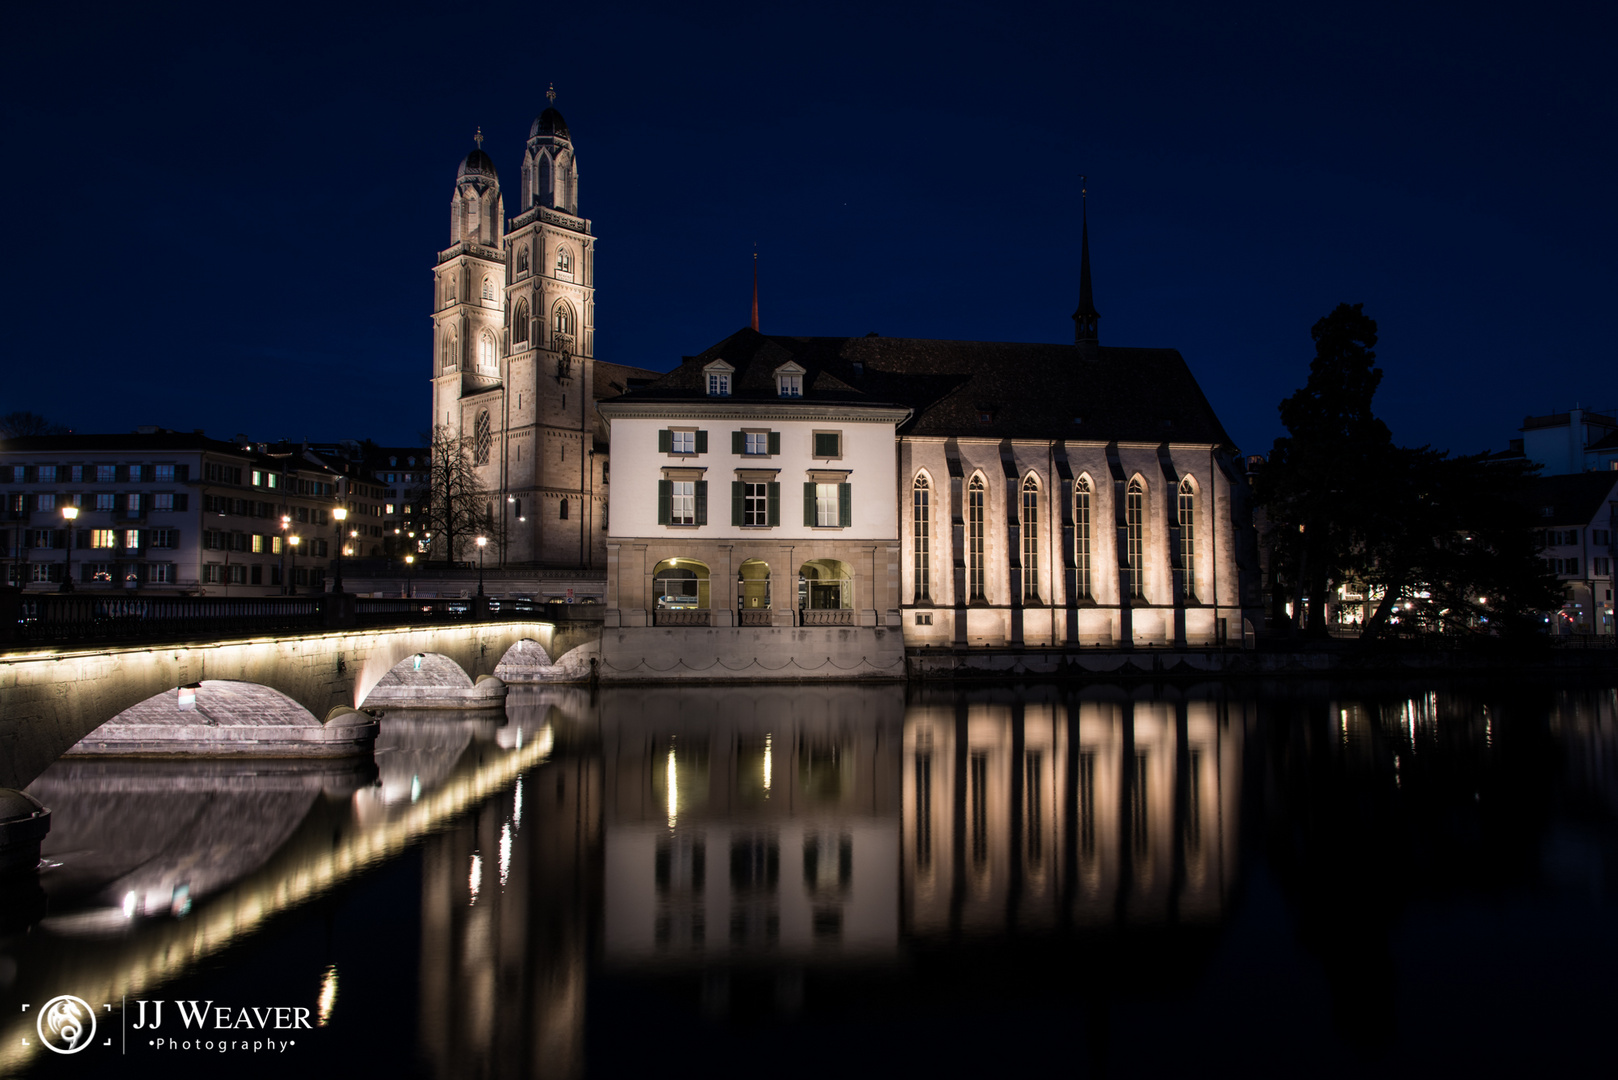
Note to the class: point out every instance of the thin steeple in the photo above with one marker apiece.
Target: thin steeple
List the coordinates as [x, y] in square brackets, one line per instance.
[755, 288]
[1086, 317]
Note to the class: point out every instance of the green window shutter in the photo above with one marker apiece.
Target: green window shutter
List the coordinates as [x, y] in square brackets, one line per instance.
[738, 442]
[702, 498]
[702, 442]
[665, 495]
[775, 442]
[845, 505]
[826, 445]
[775, 501]
[665, 441]
[808, 503]
[738, 492]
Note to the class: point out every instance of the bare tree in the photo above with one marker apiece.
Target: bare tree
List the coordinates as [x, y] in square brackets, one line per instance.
[16, 425]
[452, 502]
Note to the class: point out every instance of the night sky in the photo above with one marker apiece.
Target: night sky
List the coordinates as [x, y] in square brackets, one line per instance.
[227, 218]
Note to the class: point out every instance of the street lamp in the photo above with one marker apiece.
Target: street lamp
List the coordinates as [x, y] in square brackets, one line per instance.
[341, 514]
[483, 542]
[292, 583]
[410, 577]
[70, 513]
[286, 523]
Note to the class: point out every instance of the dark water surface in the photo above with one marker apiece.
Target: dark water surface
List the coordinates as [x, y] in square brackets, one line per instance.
[1402, 878]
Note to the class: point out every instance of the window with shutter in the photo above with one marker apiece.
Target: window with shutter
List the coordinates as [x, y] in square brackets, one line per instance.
[774, 503]
[665, 494]
[738, 493]
[845, 505]
[702, 501]
[702, 442]
[809, 504]
[738, 442]
[665, 441]
[774, 442]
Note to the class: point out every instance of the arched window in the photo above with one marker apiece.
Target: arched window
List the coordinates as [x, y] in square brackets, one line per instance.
[562, 319]
[448, 348]
[563, 512]
[974, 538]
[1030, 538]
[522, 259]
[486, 361]
[482, 439]
[1134, 508]
[1188, 543]
[488, 289]
[921, 531]
[1081, 536]
[564, 261]
[519, 322]
[449, 289]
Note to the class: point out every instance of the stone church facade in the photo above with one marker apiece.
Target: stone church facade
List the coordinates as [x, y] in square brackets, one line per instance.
[514, 365]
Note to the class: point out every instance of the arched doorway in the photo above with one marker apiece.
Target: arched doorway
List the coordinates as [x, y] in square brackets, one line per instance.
[826, 593]
[680, 590]
[753, 593]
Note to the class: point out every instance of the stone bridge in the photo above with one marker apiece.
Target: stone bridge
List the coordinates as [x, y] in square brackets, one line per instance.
[50, 698]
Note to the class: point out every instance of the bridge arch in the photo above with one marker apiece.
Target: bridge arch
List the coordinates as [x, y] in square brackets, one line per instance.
[52, 698]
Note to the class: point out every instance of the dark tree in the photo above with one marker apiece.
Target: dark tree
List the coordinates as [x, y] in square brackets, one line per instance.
[16, 425]
[452, 503]
[1321, 487]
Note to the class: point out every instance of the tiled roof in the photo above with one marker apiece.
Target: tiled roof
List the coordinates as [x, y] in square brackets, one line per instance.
[1574, 499]
[971, 388]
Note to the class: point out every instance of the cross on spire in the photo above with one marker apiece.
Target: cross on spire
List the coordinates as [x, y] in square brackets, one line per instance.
[551, 94]
[478, 138]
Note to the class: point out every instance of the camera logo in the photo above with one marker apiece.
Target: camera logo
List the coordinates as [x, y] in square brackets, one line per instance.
[66, 1024]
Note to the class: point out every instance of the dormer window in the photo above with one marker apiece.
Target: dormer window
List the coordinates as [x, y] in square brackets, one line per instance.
[718, 375]
[789, 380]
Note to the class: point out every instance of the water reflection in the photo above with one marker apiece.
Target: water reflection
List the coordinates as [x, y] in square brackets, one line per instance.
[786, 850]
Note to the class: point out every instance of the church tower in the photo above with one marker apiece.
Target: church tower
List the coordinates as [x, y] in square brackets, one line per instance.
[550, 301]
[469, 290]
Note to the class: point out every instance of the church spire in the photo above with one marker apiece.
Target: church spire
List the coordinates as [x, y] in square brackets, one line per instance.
[1086, 317]
[755, 289]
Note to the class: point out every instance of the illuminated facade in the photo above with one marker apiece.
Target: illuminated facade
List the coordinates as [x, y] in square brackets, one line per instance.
[514, 366]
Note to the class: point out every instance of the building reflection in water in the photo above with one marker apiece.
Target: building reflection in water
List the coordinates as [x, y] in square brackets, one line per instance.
[754, 825]
[506, 904]
[1068, 810]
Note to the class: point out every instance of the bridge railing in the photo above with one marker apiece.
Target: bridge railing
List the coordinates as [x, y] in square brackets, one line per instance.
[67, 619]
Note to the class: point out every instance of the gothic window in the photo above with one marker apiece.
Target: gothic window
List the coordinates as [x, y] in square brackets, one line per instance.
[519, 322]
[562, 319]
[1188, 544]
[486, 361]
[974, 538]
[1030, 538]
[1081, 536]
[564, 261]
[488, 289]
[449, 289]
[921, 533]
[522, 259]
[449, 357]
[482, 439]
[1134, 508]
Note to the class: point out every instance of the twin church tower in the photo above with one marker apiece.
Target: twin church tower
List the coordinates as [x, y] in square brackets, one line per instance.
[514, 366]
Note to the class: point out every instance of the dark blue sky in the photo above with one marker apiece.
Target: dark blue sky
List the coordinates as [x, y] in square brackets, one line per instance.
[228, 220]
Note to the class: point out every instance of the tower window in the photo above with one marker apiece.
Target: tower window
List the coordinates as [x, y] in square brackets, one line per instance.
[1134, 511]
[519, 322]
[482, 439]
[974, 538]
[921, 531]
[522, 260]
[1030, 539]
[562, 513]
[564, 261]
[1188, 544]
[562, 320]
[1081, 536]
[488, 289]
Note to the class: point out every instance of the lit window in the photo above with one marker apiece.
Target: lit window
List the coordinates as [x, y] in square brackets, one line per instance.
[974, 537]
[921, 536]
[791, 385]
[131, 538]
[1030, 539]
[1188, 547]
[103, 538]
[826, 508]
[1134, 509]
[683, 503]
[1081, 536]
